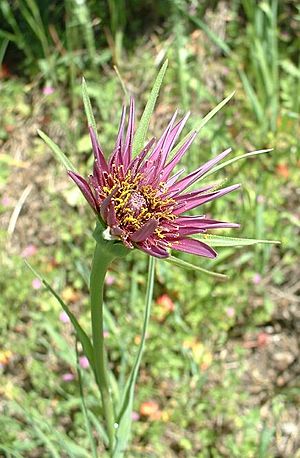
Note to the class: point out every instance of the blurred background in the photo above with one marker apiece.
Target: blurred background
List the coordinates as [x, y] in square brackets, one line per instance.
[220, 375]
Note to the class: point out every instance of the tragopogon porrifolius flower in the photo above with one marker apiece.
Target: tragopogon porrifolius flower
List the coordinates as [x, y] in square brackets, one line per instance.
[141, 201]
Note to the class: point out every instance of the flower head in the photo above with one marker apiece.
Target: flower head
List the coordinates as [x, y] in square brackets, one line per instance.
[141, 201]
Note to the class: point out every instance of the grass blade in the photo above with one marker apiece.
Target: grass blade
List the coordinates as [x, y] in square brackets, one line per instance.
[210, 33]
[3, 48]
[82, 336]
[256, 105]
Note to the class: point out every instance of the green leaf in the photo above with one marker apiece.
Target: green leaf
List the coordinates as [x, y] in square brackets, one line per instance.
[84, 407]
[222, 240]
[265, 441]
[214, 111]
[235, 159]
[82, 336]
[142, 129]
[53, 450]
[88, 107]
[214, 37]
[188, 266]
[199, 125]
[3, 48]
[98, 426]
[256, 104]
[57, 151]
[10, 451]
[124, 417]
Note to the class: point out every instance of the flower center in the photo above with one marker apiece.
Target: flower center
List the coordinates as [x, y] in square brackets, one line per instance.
[136, 202]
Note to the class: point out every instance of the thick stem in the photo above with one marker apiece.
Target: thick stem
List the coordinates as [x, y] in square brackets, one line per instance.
[101, 262]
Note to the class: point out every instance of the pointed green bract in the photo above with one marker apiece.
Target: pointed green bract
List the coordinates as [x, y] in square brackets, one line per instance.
[199, 125]
[221, 240]
[212, 113]
[235, 159]
[88, 107]
[58, 154]
[142, 129]
[188, 266]
[82, 336]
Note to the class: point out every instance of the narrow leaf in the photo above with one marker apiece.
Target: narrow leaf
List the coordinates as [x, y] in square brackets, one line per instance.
[54, 452]
[235, 159]
[199, 125]
[214, 111]
[188, 266]
[122, 82]
[10, 451]
[59, 155]
[214, 37]
[124, 417]
[222, 240]
[82, 336]
[84, 407]
[142, 129]
[256, 105]
[98, 426]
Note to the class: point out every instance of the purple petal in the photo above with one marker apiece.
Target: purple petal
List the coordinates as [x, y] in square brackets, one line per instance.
[118, 144]
[203, 223]
[106, 203]
[194, 176]
[137, 161]
[175, 132]
[98, 153]
[193, 202]
[170, 166]
[111, 215]
[129, 136]
[173, 178]
[160, 146]
[183, 231]
[196, 193]
[116, 157]
[142, 234]
[153, 250]
[193, 246]
[85, 189]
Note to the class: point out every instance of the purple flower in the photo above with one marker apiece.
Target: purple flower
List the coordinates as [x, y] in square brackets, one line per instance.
[48, 90]
[256, 279]
[6, 201]
[28, 251]
[36, 283]
[64, 317]
[139, 199]
[109, 279]
[135, 416]
[230, 312]
[68, 377]
[84, 362]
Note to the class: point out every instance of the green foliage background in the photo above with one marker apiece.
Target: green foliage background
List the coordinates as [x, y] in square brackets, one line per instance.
[200, 360]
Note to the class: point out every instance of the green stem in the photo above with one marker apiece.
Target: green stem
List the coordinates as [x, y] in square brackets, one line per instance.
[124, 417]
[101, 261]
